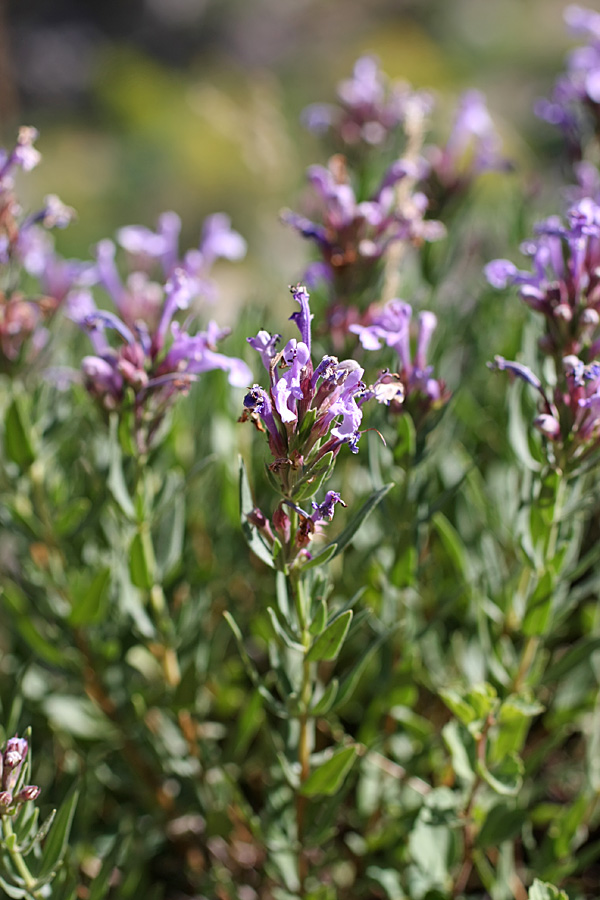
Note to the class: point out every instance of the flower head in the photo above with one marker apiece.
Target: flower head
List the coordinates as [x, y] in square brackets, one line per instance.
[12, 790]
[308, 412]
[143, 357]
[564, 284]
[413, 387]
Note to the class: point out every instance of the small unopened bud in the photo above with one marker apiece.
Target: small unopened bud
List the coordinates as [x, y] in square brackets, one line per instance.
[5, 799]
[548, 425]
[28, 793]
[563, 311]
[590, 317]
[281, 523]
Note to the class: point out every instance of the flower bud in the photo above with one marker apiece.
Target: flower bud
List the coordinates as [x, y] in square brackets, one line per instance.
[28, 792]
[548, 425]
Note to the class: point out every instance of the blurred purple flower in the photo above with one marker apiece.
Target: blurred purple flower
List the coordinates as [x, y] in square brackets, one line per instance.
[354, 236]
[413, 386]
[565, 282]
[371, 107]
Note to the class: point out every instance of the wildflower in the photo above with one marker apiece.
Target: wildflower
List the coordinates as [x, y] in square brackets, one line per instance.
[308, 412]
[565, 282]
[12, 760]
[26, 249]
[371, 107]
[354, 236]
[413, 386]
[575, 103]
[151, 357]
[473, 147]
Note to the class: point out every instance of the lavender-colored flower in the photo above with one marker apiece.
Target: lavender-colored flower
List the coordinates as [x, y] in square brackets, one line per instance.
[371, 108]
[575, 103]
[413, 386]
[354, 236]
[27, 248]
[151, 361]
[564, 284]
[474, 146]
[307, 411]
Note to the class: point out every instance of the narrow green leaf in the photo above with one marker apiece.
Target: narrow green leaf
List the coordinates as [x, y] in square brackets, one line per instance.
[116, 479]
[502, 823]
[505, 778]
[351, 680]
[451, 542]
[254, 540]
[58, 838]
[321, 558]
[343, 539]
[142, 564]
[326, 701]
[537, 618]
[72, 516]
[17, 435]
[15, 893]
[328, 644]
[319, 619]
[89, 607]
[281, 632]
[328, 778]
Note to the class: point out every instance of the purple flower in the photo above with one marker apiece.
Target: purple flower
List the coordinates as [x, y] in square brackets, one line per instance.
[12, 760]
[575, 103]
[474, 146]
[354, 236]
[413, 385]
[27, 248]
[371, 108]
[564, 284]
[151, 359]
[307, 411]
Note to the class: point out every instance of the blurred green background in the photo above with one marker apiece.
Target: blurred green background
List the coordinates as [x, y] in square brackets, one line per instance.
[193, 105]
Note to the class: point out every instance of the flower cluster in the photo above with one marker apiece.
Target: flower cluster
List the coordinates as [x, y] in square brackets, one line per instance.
[26, 253]
[12, 773]
[353, 237]
[371, 108]
[575, 103]
[473, 147]
[308, 412]
[565, 282]
[155, 357]
[569, 418]
[413, 387]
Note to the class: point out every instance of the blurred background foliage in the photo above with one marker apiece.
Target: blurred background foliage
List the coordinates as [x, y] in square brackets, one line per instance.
[193, 105]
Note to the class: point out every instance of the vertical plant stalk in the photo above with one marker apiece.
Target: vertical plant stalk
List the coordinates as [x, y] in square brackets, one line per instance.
[21, 866]
[415, 130]
[533, 642]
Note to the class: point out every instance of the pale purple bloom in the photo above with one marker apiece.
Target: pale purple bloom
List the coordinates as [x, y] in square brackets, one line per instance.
[326, 509]
[329, 393]
[371, 108]
[564, 283]
[353, 235]
[390, 327]
[474, 145]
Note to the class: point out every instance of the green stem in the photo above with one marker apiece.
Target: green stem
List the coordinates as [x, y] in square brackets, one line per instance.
[304, 753]
[21, 866]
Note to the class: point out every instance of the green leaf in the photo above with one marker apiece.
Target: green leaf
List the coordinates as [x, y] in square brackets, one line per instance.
[541, 890]
[537, 618]
[326, 701]
[58, 839]
[502, 823]
[281, 633]
[506, 777]
[343, 539]
[116, 479]
[15, 893]
[321, 558]
[350, 681]
[451, 542]
[101, 884]
[253, 538]
[17, 435]
[142, 564]
[574, 656]
[328, 778]
[317, 475]
[89, 607]
[72, 516]
[320, 618]
[328, 644]
[461, 744]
